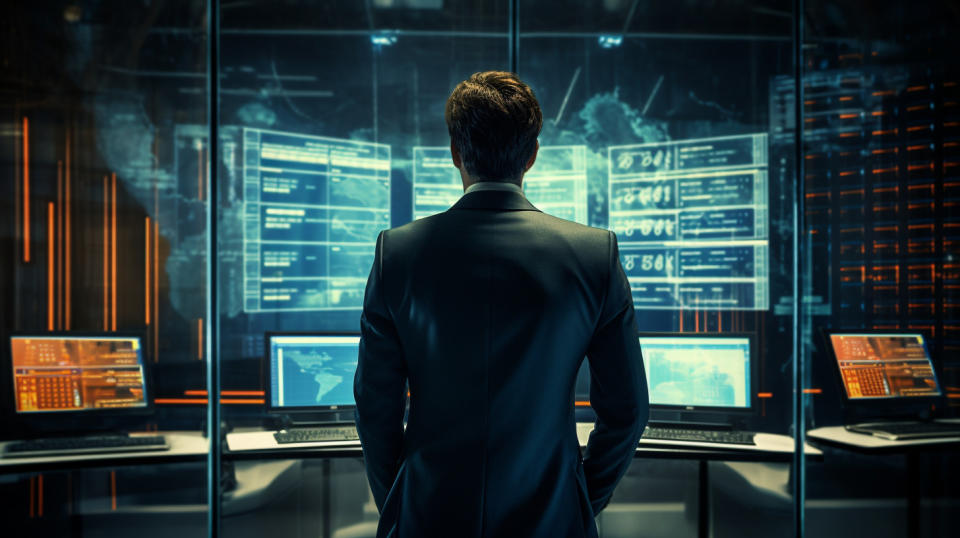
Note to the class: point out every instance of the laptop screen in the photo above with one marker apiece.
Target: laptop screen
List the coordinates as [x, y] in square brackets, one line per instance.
[312, 371]
[698, 371]
[54, 374]
[879, 365]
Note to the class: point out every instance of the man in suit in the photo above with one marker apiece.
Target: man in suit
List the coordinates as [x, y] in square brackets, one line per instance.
[486, 311]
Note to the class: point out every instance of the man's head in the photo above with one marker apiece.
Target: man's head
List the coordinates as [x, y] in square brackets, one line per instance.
[494, 120]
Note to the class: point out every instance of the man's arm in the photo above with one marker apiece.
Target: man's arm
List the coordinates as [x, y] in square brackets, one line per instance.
[379, 386]
[618, 388]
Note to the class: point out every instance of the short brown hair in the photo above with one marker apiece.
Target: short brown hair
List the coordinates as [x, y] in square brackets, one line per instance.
[494, 120]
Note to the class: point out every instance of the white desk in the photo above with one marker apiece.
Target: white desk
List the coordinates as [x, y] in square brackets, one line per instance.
[840, 436]
[246, 441]
[184, 446]
[766, 444]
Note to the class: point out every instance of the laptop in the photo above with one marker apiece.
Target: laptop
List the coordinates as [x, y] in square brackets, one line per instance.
[889, 383]
[71, 390]
[700, 387]
[310, 386]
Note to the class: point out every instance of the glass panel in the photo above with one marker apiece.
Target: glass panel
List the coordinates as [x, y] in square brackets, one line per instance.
[881, 134]
[683, 117]
[326, 114]
[104, 243]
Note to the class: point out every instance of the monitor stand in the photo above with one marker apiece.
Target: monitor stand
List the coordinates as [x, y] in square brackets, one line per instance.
[312, 420]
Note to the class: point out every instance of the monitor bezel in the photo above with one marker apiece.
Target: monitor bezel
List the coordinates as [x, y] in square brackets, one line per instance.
[86, 421]
[268, 389]
[751, 367]
[891, 404]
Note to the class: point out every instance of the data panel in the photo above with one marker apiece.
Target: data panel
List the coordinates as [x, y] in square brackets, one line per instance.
[691, 220]
[313, 209]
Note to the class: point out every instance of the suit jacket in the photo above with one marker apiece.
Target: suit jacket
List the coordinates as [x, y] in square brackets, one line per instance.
[486, 311]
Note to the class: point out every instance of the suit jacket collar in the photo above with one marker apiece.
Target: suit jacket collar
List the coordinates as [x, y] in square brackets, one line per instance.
[496, 200]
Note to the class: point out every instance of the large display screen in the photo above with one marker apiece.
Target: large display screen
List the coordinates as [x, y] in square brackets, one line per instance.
[691, 220]
[697, 371]
[556, 184]
[313, 209]
[56, 374]
[312, 370]
[884, 365]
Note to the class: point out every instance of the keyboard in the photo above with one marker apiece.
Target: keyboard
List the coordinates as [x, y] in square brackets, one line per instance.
[313, 435]
[94, 444]
[697, 435]
[908, 430]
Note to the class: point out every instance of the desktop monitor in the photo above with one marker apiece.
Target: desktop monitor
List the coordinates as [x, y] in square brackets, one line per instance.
[69, 374]
[883, 365]
[698, 371]
[311, 371]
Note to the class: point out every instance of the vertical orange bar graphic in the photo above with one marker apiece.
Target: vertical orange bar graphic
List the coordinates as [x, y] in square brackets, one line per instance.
[39, 495]
[719, 322]
[113, 251]
[156, 291]
[26, 189]
[50, 268]
[113, 490]
[681, 320]
[146, 272]
[199, 338]
[106, 258]
[66, 233]
[59, 248]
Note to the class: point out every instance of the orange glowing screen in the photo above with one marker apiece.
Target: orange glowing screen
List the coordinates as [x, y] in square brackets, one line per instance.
[884, 365]
[53, 374]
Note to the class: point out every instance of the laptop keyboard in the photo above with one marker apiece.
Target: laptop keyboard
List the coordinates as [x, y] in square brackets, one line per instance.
[702, 436]
[91, 444]
[312, 435]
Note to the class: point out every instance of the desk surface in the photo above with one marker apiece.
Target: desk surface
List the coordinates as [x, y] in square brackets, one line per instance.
[193, 446]
[768, 447]
[841, 437]
[184, 446]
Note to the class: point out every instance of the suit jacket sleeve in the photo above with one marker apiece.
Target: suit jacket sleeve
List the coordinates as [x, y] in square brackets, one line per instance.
[379, 386]
[618, 388]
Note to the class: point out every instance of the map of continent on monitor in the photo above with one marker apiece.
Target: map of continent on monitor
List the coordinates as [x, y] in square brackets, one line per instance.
[312, 371]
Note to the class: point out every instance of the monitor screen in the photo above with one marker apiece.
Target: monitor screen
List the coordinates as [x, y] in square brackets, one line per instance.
[879, 365]
[77, 373]
[312, 371]
[698, 371]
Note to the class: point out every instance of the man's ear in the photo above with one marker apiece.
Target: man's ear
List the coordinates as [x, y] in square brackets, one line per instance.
[533, 158]
[455, 154]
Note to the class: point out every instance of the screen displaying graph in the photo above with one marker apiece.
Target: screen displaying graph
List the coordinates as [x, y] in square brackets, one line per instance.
[697, 371]
[313, 209]
[691, 220]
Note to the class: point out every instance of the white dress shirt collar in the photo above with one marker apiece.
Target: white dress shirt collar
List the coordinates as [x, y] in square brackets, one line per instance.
[494, 186]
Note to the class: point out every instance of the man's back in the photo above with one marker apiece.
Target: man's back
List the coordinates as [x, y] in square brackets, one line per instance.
[488, 310]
